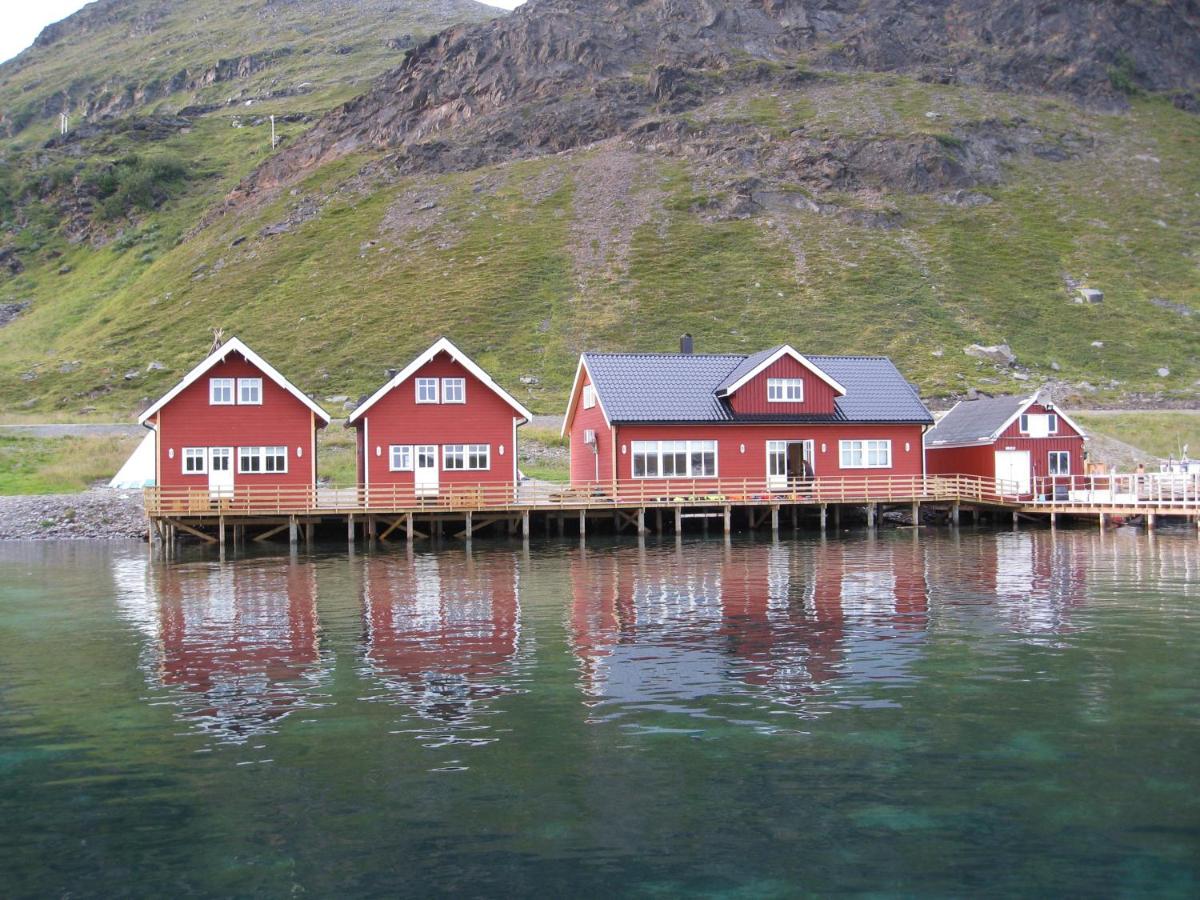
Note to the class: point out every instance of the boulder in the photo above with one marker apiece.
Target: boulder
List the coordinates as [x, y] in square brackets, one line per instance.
[155, 366]
[1163, 371]
[1090, 295]
[1000, 354]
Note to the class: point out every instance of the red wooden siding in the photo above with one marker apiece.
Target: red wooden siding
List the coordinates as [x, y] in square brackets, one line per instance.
[397, 418]
[751, 398]
[281, 421]
[981, 460]
[752, 464]
[585, 464]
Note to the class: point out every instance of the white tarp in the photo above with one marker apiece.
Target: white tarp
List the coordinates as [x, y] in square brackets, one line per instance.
[138, 471]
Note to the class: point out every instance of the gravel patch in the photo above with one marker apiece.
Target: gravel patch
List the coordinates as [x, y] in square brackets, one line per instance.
[97, 514]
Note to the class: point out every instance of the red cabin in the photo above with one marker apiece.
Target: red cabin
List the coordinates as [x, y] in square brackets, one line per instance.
[1029, 445]
[776, 416]
[440, 422]
[234, 422]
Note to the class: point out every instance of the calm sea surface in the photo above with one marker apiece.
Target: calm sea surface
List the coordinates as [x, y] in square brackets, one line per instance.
[941, 714]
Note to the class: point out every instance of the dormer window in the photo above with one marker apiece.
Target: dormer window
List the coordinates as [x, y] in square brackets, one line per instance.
[250, 391]
[220, 391]
[785, 390]
[427, 390]
[454, 390]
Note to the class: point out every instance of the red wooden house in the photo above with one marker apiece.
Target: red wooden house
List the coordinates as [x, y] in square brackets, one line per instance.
[1020, 441]
[776, 416]
[440, 421]
[234, 422]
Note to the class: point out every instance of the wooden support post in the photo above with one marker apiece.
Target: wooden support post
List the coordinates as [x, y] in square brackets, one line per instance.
[470, 525]
[954, 514]
[1103, 520]
[775, 521]
[616, 522]
[525, 525]
[1149, 523]
[1016, 520]
[372, 530]
[916, 513]
[795, 518]
[1053, 519]
[409, 529]
[870, 515]
[837, 517]
[221, 533]
[309, 528]
[641, 520]
[350, 528]
[562, 524]
[728, 516]
[658, 519]
[824, 515]
[512, 527]
[678, 520]
[293, 531]
[583, 523]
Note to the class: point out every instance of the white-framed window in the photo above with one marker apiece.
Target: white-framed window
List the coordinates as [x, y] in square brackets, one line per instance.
[220, 391]
[195, 461]
[454, 390]
[256, 460]
[249, 391]
[426, 456]
[866, 454]
[589, 396]
[674, 459]
[427, 390]
[1052, 423]
[467, 457]
[1023, 427]
[400, 458]
[1060, 462]
[785, 390]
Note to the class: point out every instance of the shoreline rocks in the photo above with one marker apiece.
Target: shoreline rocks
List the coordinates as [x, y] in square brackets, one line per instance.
[98, 514]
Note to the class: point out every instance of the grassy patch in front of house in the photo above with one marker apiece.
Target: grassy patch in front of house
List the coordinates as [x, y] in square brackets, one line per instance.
[31, 465]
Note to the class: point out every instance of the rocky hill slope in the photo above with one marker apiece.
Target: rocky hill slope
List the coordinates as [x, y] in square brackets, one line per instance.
[909, 178]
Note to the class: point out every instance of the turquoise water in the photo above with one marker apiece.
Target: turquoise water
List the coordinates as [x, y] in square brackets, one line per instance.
[939, 714]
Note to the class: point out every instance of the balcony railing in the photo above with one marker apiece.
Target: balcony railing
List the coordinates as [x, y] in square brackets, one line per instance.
[308, 500]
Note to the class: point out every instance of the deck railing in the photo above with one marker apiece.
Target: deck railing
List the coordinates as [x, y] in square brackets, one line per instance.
[1161, 490]
[309, 500]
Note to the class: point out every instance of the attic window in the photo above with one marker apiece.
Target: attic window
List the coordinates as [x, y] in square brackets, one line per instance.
[220, 391]
[589, 396]
[454, 390]
[785, 390]
[427, 390]
[250, 391]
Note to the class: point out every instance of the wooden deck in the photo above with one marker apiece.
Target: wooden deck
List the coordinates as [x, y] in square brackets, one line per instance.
[380, 511]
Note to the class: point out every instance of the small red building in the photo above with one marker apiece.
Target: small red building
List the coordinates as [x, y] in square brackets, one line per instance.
[776, 416]
[441, 421]
[1020, 441]
[233, 422]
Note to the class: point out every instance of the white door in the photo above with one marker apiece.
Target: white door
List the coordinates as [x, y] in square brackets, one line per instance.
[1012, 467]
[220, 472]
[425, 465]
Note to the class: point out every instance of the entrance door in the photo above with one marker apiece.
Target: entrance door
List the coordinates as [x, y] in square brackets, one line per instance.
[789, 463]
[1012, 467]
[220, 472]
[426, 470]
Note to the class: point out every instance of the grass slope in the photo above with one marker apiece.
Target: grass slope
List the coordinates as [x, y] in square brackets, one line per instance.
[516, 264]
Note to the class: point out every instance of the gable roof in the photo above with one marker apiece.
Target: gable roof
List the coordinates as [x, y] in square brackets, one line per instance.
[683, 388]
[233, 345]
[441, 345]
[752, 365]
[983, 420]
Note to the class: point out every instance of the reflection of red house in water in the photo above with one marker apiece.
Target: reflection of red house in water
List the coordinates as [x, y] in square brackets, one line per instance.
[778, 617]
[241, 642]
[441, 634]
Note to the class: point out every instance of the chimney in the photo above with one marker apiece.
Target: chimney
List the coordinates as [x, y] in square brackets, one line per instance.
[391, 373]
[685, 344]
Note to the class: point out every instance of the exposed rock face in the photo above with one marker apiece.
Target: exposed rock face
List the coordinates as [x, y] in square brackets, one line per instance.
[559, 74]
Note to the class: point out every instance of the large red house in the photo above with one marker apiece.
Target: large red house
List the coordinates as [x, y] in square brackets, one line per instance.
[774, 417]
[1020, 441]
[234, 422]
[441, 421]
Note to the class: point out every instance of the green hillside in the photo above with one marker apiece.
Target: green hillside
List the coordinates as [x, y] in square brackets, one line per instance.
[624, 244]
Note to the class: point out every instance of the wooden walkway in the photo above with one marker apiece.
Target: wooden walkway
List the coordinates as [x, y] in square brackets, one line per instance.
[379, 512]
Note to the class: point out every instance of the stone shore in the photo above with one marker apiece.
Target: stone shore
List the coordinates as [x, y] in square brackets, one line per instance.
[96, 514]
